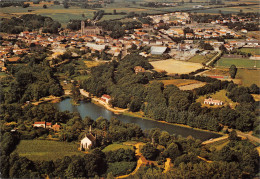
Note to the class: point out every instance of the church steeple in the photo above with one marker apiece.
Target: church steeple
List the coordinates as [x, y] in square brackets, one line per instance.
[82, 27]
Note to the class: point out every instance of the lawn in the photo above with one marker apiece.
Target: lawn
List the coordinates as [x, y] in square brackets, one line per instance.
[46, 150]
[239, 62]
[248, 76]
[253, 51]
[113, 147]
[219, 95]
[201, 58]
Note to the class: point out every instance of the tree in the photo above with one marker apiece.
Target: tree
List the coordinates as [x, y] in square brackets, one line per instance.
[172, 151]
[233, 71]
[44, 6]
[114, 12]
[149, 151]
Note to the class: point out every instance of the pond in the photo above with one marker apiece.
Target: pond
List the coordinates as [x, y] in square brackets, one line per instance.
[94, 111]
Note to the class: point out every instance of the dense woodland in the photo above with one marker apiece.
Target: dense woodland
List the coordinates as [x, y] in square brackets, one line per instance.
[29, 22]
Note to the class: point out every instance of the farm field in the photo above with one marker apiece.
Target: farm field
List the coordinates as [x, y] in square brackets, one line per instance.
[46, 150]
[184, 84]
[254, 34]
[220, 95]
[91, 64]
[248, 77]
[201, 58]
[239, 62]
[113, 147]
[253, 51]
[175, 66]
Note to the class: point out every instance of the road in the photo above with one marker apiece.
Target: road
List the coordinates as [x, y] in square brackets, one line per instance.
[216, 56]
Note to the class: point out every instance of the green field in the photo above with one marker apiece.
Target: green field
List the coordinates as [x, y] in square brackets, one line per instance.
[113, 147]
[248, 77]
[201, 58]
[218, 145]
[46, 150]
[239, 62]
[253, 51]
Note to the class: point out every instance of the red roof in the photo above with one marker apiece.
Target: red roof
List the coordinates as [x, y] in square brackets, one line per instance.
[39, 122]
[106, 96]
[48, 123]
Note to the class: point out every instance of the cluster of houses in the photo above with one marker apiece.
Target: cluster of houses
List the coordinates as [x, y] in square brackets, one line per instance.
[211, 101]
[47, 125]
[89, 38]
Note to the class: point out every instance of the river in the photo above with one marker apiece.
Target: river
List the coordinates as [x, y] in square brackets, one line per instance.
[94, 111]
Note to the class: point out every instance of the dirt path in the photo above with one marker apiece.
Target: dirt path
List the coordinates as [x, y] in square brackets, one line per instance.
[167, 165]
[214, 140]
[208, 161]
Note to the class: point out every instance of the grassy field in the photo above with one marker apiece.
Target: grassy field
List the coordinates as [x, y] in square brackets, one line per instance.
[201, 58]
[220, 95]
[178, 82]
[254, 34]
[253, 51]
[248, 77]
[239, 62]
[113, 147]
[91, 64]
[46, 150]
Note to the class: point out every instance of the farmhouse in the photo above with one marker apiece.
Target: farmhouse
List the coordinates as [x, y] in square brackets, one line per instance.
[139, 69]
[56, 127]
[42, 124]
[214, 102]
[87, 142]
[106, 98]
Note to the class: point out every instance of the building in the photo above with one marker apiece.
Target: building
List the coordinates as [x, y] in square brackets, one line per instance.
[87, 142]
[90, 30]
[56, 127]
[138, 69]
[210, 101]
[42, 124]
[106, 98]
[158, 50]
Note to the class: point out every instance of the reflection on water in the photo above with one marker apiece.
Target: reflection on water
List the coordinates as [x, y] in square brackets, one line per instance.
[94, 111]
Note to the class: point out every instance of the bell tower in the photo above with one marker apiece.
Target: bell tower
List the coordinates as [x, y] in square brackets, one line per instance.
[82, 27]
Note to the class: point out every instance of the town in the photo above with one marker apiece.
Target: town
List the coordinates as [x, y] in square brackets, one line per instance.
[167, 94]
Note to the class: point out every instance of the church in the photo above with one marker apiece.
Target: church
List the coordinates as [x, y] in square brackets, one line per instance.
[88, 141]
[90, 30]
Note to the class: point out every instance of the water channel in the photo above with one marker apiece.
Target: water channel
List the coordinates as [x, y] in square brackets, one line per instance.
[94, 111]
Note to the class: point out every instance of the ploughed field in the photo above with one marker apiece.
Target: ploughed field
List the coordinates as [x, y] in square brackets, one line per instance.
[174, 66]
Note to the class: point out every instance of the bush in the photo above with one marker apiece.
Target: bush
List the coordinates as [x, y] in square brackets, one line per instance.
[121, 168]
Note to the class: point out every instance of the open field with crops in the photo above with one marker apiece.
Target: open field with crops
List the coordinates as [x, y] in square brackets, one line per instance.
[175, 66]
[248, 77]
[220, 95]
[46, 150]
[239, 62]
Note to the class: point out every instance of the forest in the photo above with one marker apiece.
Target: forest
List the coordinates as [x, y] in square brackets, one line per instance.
[29, 22]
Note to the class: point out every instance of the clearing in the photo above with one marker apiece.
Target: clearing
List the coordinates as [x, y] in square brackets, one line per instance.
[220, 95]
[46, 150]
[219, 144]
[175, 66]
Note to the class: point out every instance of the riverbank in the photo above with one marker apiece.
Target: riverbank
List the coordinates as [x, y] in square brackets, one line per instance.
[139, 115]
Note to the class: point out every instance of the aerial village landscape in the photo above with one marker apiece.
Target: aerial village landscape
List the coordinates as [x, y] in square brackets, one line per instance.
[129, 89]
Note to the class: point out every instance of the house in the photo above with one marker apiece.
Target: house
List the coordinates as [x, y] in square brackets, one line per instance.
[214, 102]
[56, 127]
[138, 69]
[42, 124]
[87, 142]
[106, 98]
[90, 30]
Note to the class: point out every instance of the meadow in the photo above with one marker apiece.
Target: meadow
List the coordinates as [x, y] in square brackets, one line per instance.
[201, 58]
[253, 51]
[113, 147]
[239, 62]
[46, 150]
[248, 76]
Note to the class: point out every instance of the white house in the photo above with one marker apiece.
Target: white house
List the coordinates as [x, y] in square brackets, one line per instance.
[87, 142]
[214, 102]
[106, 98]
